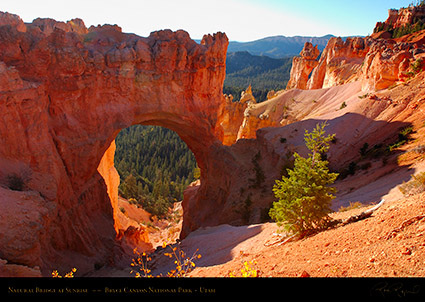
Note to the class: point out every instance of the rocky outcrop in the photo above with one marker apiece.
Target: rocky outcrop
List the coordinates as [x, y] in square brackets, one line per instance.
[387, 63]
[134, 237]
[65, 93]
[7, 19]
[377, 63]
[339, 63]
[302, 66]
[397, 18]
[230, 117]
[252, 120]
[14, 270]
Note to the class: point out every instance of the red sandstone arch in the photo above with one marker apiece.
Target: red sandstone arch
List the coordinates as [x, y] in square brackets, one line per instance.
[66, 92]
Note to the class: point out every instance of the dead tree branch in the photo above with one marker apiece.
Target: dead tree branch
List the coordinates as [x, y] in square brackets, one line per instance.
[282, 239]
[362, 215]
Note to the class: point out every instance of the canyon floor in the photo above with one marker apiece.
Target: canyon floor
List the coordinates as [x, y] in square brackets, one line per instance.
[390, 243]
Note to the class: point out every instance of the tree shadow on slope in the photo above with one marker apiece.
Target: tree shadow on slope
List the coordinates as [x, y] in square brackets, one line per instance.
[216, 245]
[365, 153]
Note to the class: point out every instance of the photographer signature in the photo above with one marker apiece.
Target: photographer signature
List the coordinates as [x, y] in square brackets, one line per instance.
[399, 289]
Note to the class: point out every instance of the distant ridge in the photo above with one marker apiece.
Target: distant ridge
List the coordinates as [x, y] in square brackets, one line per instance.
[278, 46]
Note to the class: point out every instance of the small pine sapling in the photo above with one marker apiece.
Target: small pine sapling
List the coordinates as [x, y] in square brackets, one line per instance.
[304, 196]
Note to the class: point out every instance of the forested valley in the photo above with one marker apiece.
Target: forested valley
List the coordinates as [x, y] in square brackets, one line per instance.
[261, 72]
[155, 165]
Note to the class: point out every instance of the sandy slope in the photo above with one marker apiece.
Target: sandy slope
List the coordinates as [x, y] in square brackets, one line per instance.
[390, 243]
[365, 248]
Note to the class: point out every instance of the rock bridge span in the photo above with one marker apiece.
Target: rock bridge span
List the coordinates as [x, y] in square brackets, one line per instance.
[65, 93]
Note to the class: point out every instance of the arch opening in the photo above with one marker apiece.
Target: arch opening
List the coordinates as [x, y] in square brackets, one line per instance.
[153, 162]
[155, 188]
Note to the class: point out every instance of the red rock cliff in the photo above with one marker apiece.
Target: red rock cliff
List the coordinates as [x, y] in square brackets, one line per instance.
[302, 66]
[65, 93]
[377, 63]
[397, 18]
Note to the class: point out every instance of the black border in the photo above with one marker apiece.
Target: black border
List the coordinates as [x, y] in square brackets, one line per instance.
[251, 288]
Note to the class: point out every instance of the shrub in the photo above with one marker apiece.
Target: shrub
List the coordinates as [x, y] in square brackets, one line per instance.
[366, 166]
[403, 138]
[260, 177]
[417, 65]
[351, 206]
[304, 197]
[352, 167]
[248, 270]
[363, 149]
[404, 134]
[157, 207]
[55, 274]
[141, 262]
[184, 264]
[414, 186]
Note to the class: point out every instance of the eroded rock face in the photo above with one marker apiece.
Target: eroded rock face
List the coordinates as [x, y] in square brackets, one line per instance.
[339, 63]
[378, 63]
[302, 66]
[65, 93]
[401, 17]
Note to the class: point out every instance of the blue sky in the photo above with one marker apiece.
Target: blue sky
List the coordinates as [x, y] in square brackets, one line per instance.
[241, 20]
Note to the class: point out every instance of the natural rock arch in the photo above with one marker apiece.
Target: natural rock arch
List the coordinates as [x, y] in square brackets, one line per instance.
[66, 92]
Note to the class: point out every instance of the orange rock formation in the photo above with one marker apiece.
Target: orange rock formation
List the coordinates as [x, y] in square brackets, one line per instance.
[65, 93]
[401, 17]
[302, 66]
[378, 63]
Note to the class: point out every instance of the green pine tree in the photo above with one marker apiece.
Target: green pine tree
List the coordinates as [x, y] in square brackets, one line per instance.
[129, 187]
[304, 197]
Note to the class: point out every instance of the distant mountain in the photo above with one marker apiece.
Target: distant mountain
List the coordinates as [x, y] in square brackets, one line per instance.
[278, 46]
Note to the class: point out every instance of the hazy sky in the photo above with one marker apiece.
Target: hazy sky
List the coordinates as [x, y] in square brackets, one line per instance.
[241, 20]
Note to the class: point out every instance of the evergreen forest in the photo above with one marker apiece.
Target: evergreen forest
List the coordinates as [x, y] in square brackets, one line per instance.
[155, 166]
[262, 72]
